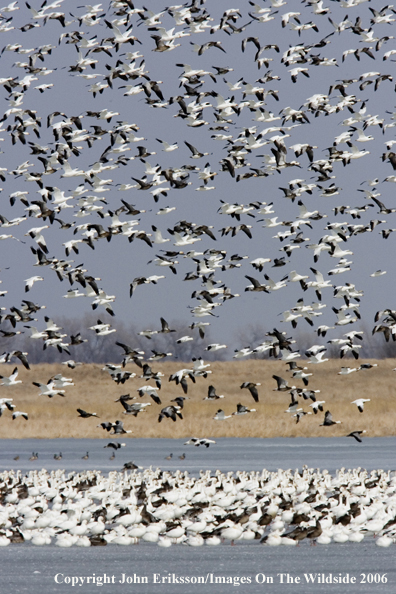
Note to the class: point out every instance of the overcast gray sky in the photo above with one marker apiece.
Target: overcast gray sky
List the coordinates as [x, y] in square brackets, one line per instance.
[118, 262]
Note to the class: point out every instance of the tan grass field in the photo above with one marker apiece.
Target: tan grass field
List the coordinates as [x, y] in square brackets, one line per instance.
[95, 391]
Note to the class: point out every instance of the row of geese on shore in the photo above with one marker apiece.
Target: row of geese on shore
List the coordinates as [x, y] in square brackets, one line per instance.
[154, 506]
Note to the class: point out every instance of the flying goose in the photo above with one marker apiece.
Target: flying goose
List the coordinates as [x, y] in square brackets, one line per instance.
[118, 428]
[242, 410]
[150, 391]
[85, 415]
[11, 380]
[115, 445]
[328, 420]
[282, 384]
[135, 408]
[171, 412]
[197, 441]
[252, 387]
[317, 406]
[212, 394]
[221, 416]
[360, 403]
[18, 413]
[180, 401]
[49, 389]
[356, 435]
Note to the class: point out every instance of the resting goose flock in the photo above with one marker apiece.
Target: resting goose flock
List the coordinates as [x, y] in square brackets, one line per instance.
[154, 506]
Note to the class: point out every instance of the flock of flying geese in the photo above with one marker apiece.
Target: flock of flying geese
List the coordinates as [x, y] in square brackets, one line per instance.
[112, 53]
[273, 508]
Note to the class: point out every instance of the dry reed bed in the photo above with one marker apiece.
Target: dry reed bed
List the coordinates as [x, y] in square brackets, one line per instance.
[95, 391]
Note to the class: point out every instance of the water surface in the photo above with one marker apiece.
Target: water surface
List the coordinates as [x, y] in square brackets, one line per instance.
[26, 568]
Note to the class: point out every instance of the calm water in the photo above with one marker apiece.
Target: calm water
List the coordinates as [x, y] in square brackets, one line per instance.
[26, 568]
[227, 454]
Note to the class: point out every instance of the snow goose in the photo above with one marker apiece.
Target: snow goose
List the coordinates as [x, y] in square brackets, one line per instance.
[19, 413]
[356, 435]
[11, 380]
[221, 416]
[252, 387]
[232, 531]
[196, 441]
[328, 420]
[49, 389]
[360, 403]
[171, 412]
[243, 410]
[212, 394]
[347, 370]
[85, 415]
[317, 406]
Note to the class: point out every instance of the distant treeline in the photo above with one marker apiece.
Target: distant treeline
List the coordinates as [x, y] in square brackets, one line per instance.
[102, 349]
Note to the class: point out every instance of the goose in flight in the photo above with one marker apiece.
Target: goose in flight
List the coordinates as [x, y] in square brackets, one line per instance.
[356, 435]
[180, 401]
[19, 413]
[135, 408]
[328, 420]
[115, 445]
[300, 414]
[221, 416]
[198, 441]
[195, 153]
[282, 384]
[10, 380]
[212, 394]
[165, 327]
[168, 148]
[318, 358]
[130, 466]
[170, 412]
[49, 389]
[150, 391]
[243, 410]
[118, 428]
[149, 374]
[85, 415]
[256, 286]
[360, 403]
[367, 366]
[6, 403]
[347, 370]
[317, 406]
[252, 387]
[29, 282]
[60, 381]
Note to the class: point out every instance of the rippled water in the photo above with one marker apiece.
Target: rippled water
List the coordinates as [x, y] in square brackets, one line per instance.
[26, 568]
